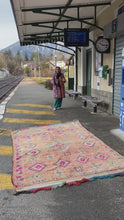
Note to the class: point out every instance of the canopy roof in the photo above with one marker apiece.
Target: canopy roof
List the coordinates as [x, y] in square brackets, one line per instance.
[41, 21]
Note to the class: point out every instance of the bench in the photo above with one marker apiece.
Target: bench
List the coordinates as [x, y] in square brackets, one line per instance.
[92, 100]
[73, 93]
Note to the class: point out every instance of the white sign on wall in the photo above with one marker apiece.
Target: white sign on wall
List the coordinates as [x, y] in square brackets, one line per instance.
[98, 83]
[123, 52]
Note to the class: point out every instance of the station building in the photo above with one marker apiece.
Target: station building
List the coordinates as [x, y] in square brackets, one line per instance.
[90, 79]
[97, 66]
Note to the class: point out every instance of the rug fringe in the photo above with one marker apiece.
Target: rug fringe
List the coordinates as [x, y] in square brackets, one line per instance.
[61, 185]
[43, 188]
[77, 183]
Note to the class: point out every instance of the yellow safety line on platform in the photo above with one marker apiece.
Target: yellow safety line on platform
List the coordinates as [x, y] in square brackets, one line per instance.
[19, 111]
[33, 105]
[30, 121]
[6, 150]
[5, 132]
[5, 182]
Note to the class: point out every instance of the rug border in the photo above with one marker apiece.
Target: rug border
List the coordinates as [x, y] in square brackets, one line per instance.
[73, 181]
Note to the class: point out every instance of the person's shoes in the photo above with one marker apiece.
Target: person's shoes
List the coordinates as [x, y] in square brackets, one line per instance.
[54, 109]
[59, 108]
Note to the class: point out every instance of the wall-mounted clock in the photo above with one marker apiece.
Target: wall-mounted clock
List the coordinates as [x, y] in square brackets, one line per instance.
[102, 45]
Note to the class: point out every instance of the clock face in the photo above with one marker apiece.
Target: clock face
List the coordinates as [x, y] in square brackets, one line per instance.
[103, 45]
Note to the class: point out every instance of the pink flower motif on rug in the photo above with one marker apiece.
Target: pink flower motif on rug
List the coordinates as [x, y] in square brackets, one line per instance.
[88, 144]
[33, 152]
[82, 159]
[58, 145]
[62, 163]
[101, 156]
[38, 167]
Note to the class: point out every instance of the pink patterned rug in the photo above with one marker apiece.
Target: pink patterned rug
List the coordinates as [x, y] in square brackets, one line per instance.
[45, 157]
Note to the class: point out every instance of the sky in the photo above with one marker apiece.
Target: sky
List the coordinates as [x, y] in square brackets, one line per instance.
[8, 30]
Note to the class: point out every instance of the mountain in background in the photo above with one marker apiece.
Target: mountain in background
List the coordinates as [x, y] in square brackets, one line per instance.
[29, 49]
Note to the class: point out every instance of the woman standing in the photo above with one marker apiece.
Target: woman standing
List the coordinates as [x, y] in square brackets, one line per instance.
[58, 81]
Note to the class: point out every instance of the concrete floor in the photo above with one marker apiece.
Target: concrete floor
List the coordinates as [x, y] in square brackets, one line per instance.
[97, 200]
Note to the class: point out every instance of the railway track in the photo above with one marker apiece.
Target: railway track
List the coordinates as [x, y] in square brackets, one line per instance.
[6, 85]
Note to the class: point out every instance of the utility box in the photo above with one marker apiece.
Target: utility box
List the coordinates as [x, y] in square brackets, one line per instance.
[122, 94]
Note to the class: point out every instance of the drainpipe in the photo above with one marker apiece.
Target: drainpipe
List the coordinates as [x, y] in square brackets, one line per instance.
[76, 69]
[113, 80]
[82, 72]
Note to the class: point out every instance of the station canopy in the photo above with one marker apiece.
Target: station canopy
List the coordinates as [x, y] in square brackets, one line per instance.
[41, 21]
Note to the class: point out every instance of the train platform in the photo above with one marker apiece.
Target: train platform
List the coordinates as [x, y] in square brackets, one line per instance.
[31, 104]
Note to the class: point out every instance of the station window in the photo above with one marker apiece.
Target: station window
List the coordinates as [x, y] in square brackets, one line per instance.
[99, 62]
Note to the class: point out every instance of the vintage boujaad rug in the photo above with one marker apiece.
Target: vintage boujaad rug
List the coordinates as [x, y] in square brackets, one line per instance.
[45, 157]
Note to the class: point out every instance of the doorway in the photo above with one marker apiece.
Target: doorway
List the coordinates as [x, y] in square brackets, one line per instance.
[88, 71]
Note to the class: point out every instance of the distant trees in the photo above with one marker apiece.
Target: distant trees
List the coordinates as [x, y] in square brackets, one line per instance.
[18, 58]
[18, 71]
[26, 57]
[45, 68]
[18, 65]
[60, 56]
[35, 56]
[42, 62]
[11, 63]
[27, 71]
[2, 61]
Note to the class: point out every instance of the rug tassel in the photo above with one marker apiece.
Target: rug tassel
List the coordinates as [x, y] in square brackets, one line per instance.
[60, 185]
[43, 188]
[77, 183]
